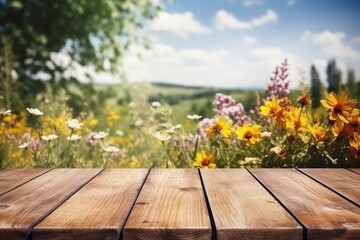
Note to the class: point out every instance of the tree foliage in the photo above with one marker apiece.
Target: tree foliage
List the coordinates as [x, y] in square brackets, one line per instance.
[315, 87]
[351, 86]
[333, 76]
[92, 32]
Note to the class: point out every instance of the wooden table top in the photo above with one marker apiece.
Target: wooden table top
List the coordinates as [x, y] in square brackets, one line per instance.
[179, 204]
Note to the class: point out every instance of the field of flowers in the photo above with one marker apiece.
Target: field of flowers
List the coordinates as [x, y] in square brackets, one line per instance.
[277, 132]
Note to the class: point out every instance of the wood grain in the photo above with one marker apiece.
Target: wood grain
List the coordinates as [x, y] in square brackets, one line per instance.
[342, 181]
[11, 178]
[171, 205]
[243, 209]
[24, 207]
[98, 210]
[325, 214]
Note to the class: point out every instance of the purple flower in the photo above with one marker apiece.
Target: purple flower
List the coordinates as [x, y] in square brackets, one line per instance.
[226, 105]
[91, 140]
[279, 82]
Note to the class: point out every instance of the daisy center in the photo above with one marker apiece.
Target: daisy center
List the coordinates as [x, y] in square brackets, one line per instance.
[205, 162]
[338, 108]
[248, 135]
[217, 128]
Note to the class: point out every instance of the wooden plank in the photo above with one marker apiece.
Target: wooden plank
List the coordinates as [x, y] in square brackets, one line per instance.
[355, 170]
[243, 209]
[24, 207]
[98, 211]
[325, 214]
[12, 178]
[171, 205]
[340, 180]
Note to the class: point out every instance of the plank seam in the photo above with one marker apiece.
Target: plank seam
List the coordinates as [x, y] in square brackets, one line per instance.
[328, 187]
[352, 171]
[211, 216]
[27, 181]
[133, 205]
[56, 207]
[305, 231]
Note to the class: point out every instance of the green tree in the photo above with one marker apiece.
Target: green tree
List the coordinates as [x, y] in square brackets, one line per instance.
[351, 85]
[95, 33]
[333, 76]
[315, 87]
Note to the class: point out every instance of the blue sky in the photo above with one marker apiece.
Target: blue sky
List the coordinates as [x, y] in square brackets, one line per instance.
[237, 43]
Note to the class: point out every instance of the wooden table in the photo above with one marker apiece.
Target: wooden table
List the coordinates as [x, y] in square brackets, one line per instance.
[179, 204]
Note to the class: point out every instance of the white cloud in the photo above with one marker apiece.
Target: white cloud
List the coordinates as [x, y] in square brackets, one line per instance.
[180, 24]
[291, 2]
[250, 40]
[264, 60]
[305, 36]
[269, 17]
[195, 66]
[356, 39]
[225, 20]
[332, 44]
[249, 3]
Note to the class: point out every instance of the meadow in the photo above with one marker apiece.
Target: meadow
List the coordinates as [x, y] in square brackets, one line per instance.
[161, 125]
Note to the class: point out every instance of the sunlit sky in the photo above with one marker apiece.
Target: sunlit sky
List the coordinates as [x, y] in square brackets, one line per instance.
[237, 43]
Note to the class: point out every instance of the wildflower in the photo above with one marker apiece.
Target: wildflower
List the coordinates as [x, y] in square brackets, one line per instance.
[100, 135]
[318, 133]
[226, 106]
[339, 107]
[271, 108]
[119, 154]
[74, 124]
[161, 136]
[24, 145]
[34, 111]
[304, 100]
[354, 122]
[173, 129]
[265, 134]
[138, 123]
[222, 126]
[73, 137]
[249, 134]
[156, 104]
[119, 133]
[295, 121]
[337, 128]
[91, 141]
[355, 145]
[111, 149]
[279, 86]
[205, 160]
[194, 117]
[49, 137]
[279, 151]
[5, 112]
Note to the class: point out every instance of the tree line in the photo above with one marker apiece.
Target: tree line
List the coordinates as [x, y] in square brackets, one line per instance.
[334, 82]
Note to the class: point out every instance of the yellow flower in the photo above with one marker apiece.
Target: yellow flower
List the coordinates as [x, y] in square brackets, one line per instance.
[339, 107]
[354, 122]
[355, 145]
[296, 121]
[318, 133]
[273, 109]
[337, 128]
[222, 126]
[249, 134]
[205, 160]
